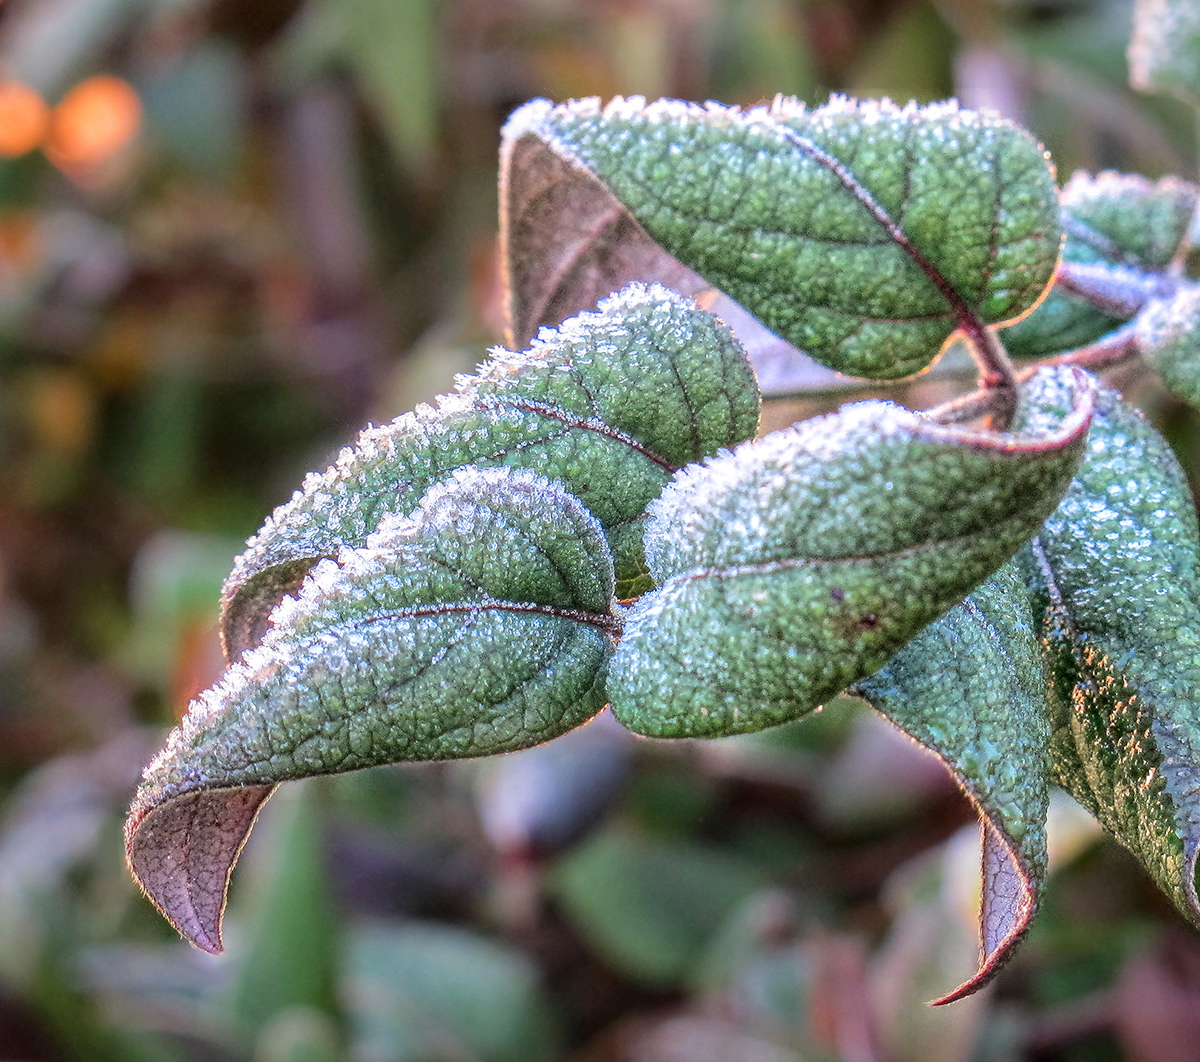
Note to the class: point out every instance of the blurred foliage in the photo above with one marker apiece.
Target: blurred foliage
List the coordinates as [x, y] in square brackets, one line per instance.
[230, 234]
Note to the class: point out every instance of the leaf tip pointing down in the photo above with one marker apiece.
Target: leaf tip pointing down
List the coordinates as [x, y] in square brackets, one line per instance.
[1191, 858]
[1008, 902]
[970, 688]
[182, 851]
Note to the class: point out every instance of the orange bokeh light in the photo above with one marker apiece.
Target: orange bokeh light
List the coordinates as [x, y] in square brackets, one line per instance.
[24, 119]
[95, 121]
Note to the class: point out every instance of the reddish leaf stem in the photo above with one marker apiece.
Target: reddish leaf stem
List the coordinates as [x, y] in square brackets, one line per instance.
[965, 408]
[997, 375]
[1116, 348]
[1112, 349]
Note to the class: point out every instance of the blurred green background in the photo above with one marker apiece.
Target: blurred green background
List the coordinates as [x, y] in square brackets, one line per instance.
[234, 231]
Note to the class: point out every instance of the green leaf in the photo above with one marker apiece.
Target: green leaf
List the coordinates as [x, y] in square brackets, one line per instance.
[970, 688]
[288, 956]
[611, 404]
[1116, 222]
[426, 992]
[800, 562]
[1168, 334]
[480, 624]
[831, 226]
[651, 906]
[1115, 583]
[1164, 51]
[300, 1034]
[393, 50]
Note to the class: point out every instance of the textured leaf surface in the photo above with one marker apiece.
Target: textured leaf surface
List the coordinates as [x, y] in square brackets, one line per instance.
[1116, 221]
[566, 243]
[1168, 332]
[799, 563]
[971, 689]
[611, 404]
[480, 624]
[1114, 576]
[829, 225]
[1164, 52]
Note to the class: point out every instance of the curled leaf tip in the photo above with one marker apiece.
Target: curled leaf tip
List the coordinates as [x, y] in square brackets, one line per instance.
[971, 689]
[182, 853]
[1009, 900]
[481, 623]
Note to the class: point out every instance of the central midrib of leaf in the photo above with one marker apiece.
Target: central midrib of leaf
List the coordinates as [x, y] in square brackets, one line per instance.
[967, 319]
[574, 420]
[958, 308]
[1096, 241]
[608, 623]
[784, 564]
[568, 419]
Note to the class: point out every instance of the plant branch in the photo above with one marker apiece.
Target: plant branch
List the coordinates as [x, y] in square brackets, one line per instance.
[967, 407]
[1113, 349]
[1119, 291]
[996, 372]
[1116, 348]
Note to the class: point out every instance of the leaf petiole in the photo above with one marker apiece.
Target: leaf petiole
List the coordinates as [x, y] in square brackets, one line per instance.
[1114, 349]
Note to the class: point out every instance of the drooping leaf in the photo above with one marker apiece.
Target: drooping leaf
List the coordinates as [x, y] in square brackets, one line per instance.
[1114, 222]
[480, 624]
[970, 688]
[831, 226]
[800, 562]
[1164, 51]
[611, 404]
[1168, 333]
[1115, 584]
